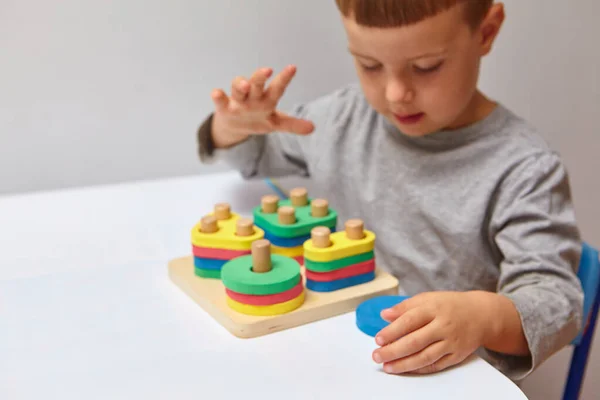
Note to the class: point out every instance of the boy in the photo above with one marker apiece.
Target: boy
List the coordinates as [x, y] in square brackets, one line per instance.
[472, 210]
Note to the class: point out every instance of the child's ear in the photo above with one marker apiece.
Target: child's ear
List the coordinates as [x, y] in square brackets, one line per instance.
[490, 27]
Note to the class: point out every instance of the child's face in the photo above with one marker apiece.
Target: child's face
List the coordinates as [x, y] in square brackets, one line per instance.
[423, 77]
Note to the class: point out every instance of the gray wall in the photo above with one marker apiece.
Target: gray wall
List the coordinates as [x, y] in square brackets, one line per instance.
[107, 91]
[98, 91]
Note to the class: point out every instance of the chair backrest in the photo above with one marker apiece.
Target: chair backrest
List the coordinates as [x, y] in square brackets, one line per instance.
[589, 275]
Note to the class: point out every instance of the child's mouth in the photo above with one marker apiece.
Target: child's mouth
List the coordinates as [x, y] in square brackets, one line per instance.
[409, 119]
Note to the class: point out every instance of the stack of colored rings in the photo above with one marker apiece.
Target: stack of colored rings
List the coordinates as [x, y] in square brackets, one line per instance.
[287, 223]
[263, 284]
[335, 261]
[220, 237]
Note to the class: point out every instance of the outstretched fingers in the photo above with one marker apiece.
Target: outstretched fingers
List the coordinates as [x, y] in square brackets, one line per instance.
[286, 123]
[257, 83]
[280, 83]
[240, 88]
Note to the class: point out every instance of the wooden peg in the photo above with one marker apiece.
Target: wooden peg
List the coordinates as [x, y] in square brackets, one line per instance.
[319, 208]
[299, 197]
[208, 224]
[320, 237]
[261, 256]
[286, 215]
[355, 229]
[269, 204]
[244, 227]
[222, 211]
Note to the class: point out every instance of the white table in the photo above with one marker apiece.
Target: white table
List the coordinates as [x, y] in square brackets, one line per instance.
[87, 311]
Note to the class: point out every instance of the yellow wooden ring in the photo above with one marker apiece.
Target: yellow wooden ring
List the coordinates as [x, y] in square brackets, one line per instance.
[292, 252]
[225, 238]
[341, 247]
[263, 311]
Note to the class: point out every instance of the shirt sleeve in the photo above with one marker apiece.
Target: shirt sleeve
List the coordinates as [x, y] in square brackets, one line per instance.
[277, 154]
[534, 230]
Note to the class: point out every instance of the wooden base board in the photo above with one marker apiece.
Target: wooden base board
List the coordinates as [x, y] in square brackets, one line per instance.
[210, 295]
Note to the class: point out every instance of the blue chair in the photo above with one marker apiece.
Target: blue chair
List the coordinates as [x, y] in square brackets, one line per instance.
[589, 275]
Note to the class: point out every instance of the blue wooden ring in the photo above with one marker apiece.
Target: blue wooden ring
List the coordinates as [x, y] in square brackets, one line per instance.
[209, 263]
[339, 283]
[368, 313]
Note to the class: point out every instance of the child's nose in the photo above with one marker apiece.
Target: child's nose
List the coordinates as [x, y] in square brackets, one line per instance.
[398, 91]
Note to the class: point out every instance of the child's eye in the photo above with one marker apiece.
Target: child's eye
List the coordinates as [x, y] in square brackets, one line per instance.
[371, 68]
[428, 70]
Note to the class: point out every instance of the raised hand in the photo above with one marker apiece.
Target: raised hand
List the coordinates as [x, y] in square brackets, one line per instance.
[251, 108]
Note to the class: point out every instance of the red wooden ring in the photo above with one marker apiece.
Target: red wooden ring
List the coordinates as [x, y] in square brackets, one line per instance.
[218, 254]
[266, 300]
[347, 272]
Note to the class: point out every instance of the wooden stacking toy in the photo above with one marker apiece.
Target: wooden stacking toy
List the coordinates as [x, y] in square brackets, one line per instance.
[249, 280]
[338, 260]
[220, 237]
[263, 284]
[287, 223]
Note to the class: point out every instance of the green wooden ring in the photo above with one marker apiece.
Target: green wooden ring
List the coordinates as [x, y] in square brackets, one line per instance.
[208, 273]
[318, 266]
[305, 222]
[237, 275]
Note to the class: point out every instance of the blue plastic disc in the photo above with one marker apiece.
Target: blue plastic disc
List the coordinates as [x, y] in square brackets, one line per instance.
[368, 313]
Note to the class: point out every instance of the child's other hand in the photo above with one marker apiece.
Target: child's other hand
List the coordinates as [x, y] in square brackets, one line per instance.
[431, 332]
[252, 108]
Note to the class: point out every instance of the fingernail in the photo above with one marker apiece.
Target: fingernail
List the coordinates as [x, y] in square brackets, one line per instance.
[387, 368]
[379, 340]
[377, 358]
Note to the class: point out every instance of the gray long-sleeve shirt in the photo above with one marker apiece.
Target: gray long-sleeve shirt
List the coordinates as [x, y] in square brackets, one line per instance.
[486, 207]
